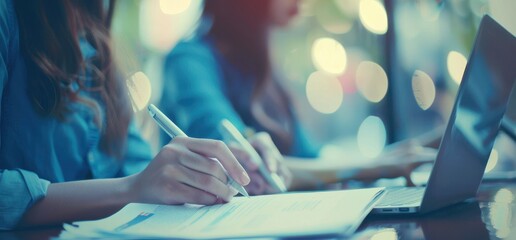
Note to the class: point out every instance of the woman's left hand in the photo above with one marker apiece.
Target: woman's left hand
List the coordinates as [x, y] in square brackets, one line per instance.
[270, 156]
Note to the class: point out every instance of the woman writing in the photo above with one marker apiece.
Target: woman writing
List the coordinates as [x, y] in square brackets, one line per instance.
[224, 71]
[69, 150]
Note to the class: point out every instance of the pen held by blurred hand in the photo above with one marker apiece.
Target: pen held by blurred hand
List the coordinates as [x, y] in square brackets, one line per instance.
[231, 135]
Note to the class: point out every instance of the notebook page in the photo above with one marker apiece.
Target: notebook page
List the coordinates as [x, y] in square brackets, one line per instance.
[293, 214]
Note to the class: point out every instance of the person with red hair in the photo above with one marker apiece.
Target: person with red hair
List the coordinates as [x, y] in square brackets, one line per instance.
[224, 72]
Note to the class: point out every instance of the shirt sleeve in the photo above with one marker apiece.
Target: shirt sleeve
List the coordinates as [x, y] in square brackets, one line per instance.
[19, 190]
[194, 97]
[193, 94]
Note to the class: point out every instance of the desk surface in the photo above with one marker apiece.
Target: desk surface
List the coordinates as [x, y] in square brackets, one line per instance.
[491, 216]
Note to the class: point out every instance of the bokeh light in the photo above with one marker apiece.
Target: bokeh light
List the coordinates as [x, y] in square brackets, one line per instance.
[371, 81]
[348, 7]
[306, 7]
[423, 88]
[331, 18]
[504, 195]
[456, 63]
[371, 137]
[385, 234]
[174, 7]
[373, 16]
[503, 233]
[329, 55]
[139, 90]
[347, 79]
[324, 92]
[159, 29]
[493, 160]
[500, 212]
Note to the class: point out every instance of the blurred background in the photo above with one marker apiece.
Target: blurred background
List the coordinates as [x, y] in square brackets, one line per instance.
[362, 73]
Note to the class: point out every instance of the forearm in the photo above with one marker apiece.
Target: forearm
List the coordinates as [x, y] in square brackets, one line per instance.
[313, 173]
[318, 172]
[79, 200]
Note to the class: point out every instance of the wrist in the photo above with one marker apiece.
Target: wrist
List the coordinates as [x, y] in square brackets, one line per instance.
[125, 193]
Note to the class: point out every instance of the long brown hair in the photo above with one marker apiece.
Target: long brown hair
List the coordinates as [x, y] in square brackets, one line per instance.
[49, 36]
[240, 30]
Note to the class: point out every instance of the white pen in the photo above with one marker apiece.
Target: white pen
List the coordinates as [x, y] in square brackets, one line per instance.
[172, 130]
[231, 134]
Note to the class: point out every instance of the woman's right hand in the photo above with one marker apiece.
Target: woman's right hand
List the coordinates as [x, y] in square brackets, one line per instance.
[185, 171]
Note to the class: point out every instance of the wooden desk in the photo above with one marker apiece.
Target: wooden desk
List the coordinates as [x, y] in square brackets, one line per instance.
[491, 216]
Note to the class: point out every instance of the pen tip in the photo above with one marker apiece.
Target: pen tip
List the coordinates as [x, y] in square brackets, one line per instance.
[244, 192]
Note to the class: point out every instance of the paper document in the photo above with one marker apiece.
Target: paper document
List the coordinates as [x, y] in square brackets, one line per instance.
[292, 214]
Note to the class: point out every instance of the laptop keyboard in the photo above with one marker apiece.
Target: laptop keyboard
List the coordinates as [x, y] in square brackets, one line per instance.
[402, 196]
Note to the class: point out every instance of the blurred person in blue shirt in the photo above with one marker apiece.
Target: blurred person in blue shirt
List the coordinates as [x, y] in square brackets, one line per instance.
[224, 72]
[69, 149]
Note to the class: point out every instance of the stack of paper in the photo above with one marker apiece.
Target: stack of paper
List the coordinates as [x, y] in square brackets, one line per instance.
[293, 214]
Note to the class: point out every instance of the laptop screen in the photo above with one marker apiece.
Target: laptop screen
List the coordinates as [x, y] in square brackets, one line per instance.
[475, 120]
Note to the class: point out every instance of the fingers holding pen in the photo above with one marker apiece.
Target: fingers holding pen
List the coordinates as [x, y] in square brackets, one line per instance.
[219, 150]
[185, 160]
[201, 164]
[244, 158]
[270, 154]
[199, 184]
[200, 172]
[272, 157]
[178, 175]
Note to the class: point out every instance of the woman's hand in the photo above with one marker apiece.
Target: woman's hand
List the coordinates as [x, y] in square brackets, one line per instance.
[185, 171]
[270, 156]
[400, 160]
[397, 160]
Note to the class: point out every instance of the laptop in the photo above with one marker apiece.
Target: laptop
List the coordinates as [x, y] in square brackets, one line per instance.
[479, 107]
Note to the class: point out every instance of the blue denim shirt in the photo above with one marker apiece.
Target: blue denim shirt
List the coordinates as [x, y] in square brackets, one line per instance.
[201, 88]
[36, 150]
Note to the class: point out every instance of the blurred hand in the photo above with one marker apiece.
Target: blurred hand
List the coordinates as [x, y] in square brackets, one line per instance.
[184, 172]
[270, 156]
[400, 160]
